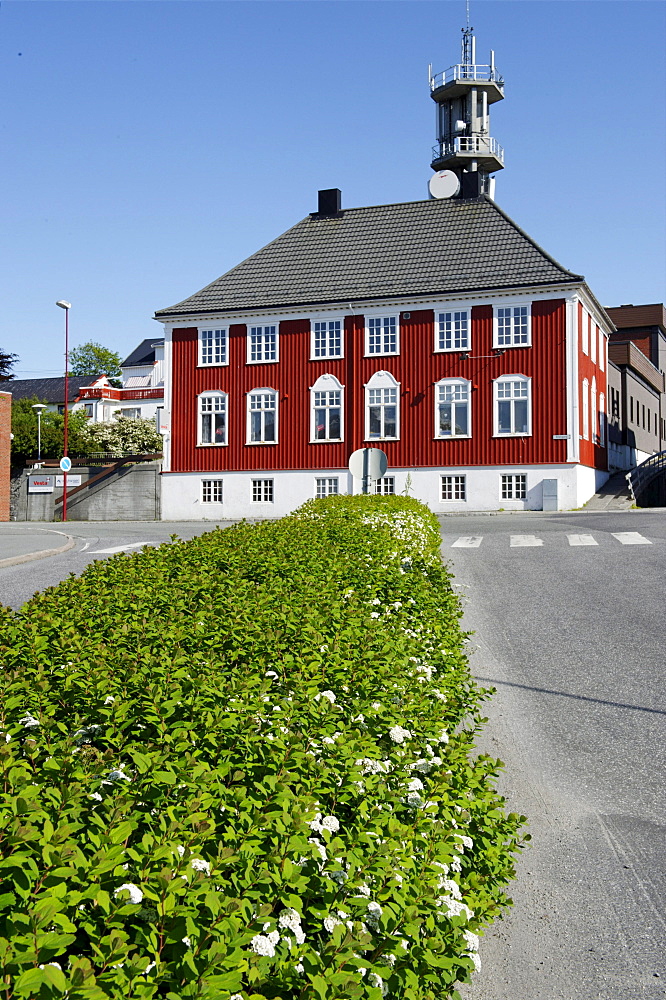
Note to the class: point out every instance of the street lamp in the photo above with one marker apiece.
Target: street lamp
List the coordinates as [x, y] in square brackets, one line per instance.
[66, 306]
[39, 408]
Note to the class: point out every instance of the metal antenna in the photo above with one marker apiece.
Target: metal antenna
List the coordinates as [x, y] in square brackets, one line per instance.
[467, 7]
[467, 44]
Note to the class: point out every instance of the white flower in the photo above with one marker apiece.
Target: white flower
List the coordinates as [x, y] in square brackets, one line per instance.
[363, 890]
[272, 674]
[374, 614]
[200, 865]
[413, 800]
[96, 796]
[274, 937]
[299, 968]
[373, 913]
[472, 940]
[425, 766]
[371, 766]
[476, 958]
[399, 735]
[456, 866]
[455, 907]
[135, 893]
[290, 918]
[330, 923]
[118, 775]
[330, 823]
[466, 841]
[376, 705]
[329, 740]
[438, 694]
[375, 600]
[377, 982]
[28, 721]
[320, 847]
[326, 694]
[425, 670]
[56, 964]
[262, 946]
[450, 887]
[149, 968]
[415, 785]
[180, 849]
[109, 700]
[187, 941]
[443, 737]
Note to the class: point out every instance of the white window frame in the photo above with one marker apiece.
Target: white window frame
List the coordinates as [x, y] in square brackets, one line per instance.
[445, 333]
[602, 350]
[326, 486]
[263, 326]
[212, 394]
[455, 484]
[384, 382]
[503, 379]
[326, 383]
[467, 402]
[384, 317]
[586, 410]
[214, 485]
[594, 334]
[218, 348]
[513, 306]
[602, 420]
[385, 486]
[265, 487]
[264, 409]
[594, 429]
[328, 353]
[585, 333]
[509, 486]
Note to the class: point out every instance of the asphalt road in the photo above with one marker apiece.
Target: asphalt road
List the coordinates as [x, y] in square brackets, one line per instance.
[572, 635]
[568, 616]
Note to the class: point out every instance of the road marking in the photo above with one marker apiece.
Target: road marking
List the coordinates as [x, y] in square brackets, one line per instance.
[518, 541]
[118, 548]
[467, 542]
[630, 538]
[582, 540]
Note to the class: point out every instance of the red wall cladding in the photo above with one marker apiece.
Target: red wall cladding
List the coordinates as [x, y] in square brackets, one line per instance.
[591, 452]
[416, 368]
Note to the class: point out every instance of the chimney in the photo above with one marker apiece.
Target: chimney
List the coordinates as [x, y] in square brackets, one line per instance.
[330, 202]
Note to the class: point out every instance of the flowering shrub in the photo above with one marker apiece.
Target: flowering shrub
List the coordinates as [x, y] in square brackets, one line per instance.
[124, 434]
[224, 778]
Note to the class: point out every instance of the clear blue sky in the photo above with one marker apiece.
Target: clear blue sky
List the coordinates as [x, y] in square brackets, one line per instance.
[148, 146]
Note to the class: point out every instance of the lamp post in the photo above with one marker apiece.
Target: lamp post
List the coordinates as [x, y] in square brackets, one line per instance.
[66, 306]
[39, 408]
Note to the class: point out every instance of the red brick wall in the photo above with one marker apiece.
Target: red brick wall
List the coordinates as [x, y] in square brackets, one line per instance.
[5, 448]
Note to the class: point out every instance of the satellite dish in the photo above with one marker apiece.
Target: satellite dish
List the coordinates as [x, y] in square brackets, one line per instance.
[444, 184]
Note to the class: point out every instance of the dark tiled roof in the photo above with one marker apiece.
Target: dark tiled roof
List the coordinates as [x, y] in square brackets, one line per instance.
[48, 390]
[410, 249]
[144, 354]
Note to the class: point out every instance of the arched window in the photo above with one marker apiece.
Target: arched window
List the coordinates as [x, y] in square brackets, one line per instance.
[382, 408]
[453, 416]
[326, 409]
[513, 406]
[262, 416]
[212, 418]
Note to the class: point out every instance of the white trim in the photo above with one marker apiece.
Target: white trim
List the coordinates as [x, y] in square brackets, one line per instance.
[327, 383]
[453, 476]
[166, 412]
[385, 306]
[380, 314]
[248, 341]
[381, 380]
[512, 378]
[249, 411]
[210, 479]
[524, 304]
[327, 319]
[453, 380]
[585, 389]
[571, 362]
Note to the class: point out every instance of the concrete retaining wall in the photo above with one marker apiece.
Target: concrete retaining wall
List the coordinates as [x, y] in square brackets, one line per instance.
[132, 493]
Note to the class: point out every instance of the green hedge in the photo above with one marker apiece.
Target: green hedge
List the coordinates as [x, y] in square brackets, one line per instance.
[242, 766]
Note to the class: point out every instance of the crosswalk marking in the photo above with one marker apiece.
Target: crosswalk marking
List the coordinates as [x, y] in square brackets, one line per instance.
[582, 540]
[118, 548]
[630, 538]
[520, 541]
[467, 542]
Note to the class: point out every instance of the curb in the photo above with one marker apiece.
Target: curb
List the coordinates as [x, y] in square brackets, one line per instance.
[41, 554]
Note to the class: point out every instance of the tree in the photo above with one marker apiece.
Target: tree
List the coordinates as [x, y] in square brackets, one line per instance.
[93, 359]
[24, 429]
[7, 362]
[122, 436]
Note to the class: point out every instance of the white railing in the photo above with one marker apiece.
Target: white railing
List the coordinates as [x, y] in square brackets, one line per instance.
[643, 474]
[478, 144]
[486, 74]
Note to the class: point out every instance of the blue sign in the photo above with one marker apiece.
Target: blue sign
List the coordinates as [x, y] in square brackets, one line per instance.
[65, 464]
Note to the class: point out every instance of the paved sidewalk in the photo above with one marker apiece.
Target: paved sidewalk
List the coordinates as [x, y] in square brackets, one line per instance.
[20, 543]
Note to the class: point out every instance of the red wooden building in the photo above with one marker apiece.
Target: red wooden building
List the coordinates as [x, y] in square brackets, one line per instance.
[435, 330]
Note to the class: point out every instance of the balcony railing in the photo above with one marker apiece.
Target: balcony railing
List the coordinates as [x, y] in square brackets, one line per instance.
[484, 74]
[643, 474]
[120, 395]
[479, 145]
